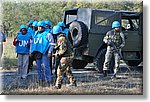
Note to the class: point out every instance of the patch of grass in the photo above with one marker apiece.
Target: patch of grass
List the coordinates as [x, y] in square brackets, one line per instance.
[85, 86]
[9, 55]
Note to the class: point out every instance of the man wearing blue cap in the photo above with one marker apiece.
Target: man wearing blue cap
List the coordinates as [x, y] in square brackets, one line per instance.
[42, 50]
[48, 26]
[22, 44]
[113, 37]
[64, 29]
[30, 25]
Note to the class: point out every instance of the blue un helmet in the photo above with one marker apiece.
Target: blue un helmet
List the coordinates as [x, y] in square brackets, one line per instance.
[57, 29]
[61, 24]
[48, 23]
[23, 27]
[115, 24]
[41, 24]
[30, 22]
[35, 23]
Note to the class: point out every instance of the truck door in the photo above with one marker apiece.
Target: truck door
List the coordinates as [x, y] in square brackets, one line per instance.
[131, 27]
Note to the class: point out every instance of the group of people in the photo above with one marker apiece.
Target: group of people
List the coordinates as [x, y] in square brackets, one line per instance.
[40, 42]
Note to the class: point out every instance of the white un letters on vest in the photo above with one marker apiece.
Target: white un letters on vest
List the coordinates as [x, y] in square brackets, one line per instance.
[23, 43]
[37, 40]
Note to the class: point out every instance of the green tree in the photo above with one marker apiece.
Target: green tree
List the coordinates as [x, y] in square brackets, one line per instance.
[17, 13]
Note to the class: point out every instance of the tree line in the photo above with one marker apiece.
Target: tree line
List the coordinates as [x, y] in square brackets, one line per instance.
[17, 13]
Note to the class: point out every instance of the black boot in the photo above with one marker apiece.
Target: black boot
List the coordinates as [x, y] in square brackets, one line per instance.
[58, 86]
[105, 73]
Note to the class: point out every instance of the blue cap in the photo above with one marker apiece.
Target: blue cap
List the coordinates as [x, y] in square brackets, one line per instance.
[48, 23]
[35, 23]
[41, 24]
[61, 24]
[23, 27]
[57, 29]
[115, 24]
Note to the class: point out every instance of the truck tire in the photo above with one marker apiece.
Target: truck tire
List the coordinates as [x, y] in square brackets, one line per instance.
[79, 33]
[100, 58]
[79, 64]
[70, 39]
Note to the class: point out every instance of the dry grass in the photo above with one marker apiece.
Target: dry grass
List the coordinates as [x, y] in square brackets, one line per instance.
[87, 84]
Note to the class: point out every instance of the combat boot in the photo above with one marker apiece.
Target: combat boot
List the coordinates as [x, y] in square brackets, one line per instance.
[72, 84]
[57, 86]
[105, 73]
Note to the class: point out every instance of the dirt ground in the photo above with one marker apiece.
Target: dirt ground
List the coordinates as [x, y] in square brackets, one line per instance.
[89, 82]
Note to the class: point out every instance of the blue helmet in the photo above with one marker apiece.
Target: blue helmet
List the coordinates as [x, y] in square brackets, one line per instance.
[115, 24]
[35, 23]
[61, 24]
[41, 24]
[23, 27]
[48, 23]
[30, 22]
[57, 29]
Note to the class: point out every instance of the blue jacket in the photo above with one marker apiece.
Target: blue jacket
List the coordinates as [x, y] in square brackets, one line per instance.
[22, 47]
[41, 43]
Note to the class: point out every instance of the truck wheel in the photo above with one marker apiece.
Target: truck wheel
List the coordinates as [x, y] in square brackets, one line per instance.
[79, 64]
[69, 38]
[133, 63]
[79, 33]
[100, 58]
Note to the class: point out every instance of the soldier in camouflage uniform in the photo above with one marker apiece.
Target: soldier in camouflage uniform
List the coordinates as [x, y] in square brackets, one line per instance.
[65, 53]
[116, 37]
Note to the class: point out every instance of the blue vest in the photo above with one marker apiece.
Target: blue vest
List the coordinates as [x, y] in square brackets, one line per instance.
[22, 47]
[39, 42]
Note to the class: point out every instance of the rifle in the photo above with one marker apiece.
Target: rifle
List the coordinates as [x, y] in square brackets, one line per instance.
[115, 49]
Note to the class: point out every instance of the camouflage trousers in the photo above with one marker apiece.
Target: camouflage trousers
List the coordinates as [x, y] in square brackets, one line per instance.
[108, 57]
[64, 68]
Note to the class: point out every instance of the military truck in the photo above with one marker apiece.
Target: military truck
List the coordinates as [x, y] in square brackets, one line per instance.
[89, 26]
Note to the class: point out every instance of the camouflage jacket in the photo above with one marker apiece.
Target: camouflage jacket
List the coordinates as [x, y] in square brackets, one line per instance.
[117, 38]
[63, 47]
